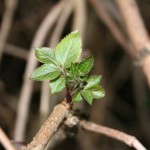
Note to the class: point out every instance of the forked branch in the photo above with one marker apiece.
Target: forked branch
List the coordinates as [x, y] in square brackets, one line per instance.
[60, 112]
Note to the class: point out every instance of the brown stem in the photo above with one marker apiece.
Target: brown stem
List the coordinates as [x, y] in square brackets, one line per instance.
[5, 141]
[68, 95]
[115, 134]
[62, 20]
[7, 22]
[136, 31]
[50, 126]
[79, 20]
[58, 137]
[141, 98]
[16, 51]
[134, 23]
[106, 18]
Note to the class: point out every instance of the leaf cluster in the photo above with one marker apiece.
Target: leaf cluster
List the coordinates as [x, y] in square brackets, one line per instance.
[61, 68]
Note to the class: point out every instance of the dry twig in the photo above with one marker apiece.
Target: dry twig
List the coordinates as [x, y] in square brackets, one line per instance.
[141, 98]
[79, 22]
[137, 32]
[6, 22]
[66, 12]
[5, 141]
[50, 126]
[104, 15]
[60, 112]
[16, 51]
[58, 137]
[134, 23]
[115, 134]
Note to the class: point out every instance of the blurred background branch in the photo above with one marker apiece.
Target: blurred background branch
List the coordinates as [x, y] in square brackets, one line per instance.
[10, 6]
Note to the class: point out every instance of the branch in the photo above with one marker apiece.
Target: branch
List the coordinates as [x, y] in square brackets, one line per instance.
[104, 15]
[115, 134]
[5, 141]
[50, 126]
[58, 137]
[79, 22]
[141, 97]
[16, 51]
[137, 33]
[134, 23]
[60, 112]
[66, 12]
[6, 22]
[25, 96]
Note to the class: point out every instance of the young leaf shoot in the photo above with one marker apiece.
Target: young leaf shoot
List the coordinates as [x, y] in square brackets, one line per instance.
[62, 69]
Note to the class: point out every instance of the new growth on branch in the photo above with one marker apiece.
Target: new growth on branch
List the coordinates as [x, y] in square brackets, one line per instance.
[62, 69]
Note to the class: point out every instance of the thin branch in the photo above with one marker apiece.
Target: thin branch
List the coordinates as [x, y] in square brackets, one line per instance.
[115, 134]
[5, 141]
[79, 22]
[50, 126]
[113, 10]
[104, 15]
[141, 97]
[58, 137]
[27, 88]
[134, 23]
[66, 12]
[44, 101]
[6, 23]
[137, 32]
[16, 51]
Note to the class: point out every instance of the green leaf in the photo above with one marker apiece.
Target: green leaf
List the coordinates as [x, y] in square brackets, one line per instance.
[83, 78]
[45, 55]
[73, 69]
[57, 85]
[86, 65]
[92, 80]
[97, 92]
[69, 49]
[87, 95]
[46, 72]
[77, 97]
